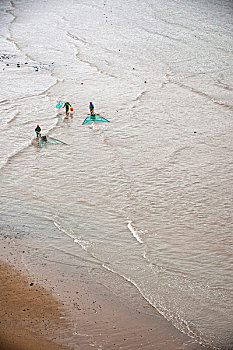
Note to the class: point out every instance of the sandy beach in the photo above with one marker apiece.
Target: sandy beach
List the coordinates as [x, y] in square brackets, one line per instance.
[28, 313]
[60, 307]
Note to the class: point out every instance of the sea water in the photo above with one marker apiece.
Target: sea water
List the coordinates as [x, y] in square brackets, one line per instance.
[147, 196]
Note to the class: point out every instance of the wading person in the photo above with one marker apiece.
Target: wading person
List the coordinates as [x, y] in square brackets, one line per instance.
[67, 107]
[91, 107]
[38, 130]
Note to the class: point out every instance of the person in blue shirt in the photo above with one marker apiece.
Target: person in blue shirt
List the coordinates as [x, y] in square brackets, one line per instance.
[91, 107]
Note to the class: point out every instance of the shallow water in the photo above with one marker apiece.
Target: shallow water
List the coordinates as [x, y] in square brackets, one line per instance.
[148, 195]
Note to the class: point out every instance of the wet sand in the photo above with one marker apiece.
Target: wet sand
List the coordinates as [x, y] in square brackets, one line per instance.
[76, 307]
[28, 313]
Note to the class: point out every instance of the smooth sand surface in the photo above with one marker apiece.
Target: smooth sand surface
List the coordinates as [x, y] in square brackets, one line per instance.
[76, 306]
[28, 314]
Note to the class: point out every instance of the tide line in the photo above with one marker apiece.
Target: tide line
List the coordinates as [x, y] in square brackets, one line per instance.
[134, 231]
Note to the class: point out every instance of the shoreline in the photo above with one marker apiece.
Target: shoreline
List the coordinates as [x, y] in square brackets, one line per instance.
[81, 309]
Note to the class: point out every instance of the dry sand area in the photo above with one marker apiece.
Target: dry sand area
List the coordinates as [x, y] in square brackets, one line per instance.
[28, 314]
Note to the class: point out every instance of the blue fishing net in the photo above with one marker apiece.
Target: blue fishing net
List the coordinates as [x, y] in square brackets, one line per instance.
[95, 119]
[59, 105]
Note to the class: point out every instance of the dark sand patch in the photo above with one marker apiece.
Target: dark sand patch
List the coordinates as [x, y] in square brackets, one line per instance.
[29, 315]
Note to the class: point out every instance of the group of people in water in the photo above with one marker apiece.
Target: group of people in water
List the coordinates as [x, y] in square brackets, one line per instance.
[68, 109]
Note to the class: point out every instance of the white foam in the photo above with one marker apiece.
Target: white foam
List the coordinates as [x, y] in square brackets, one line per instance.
[135, 232]
[60, 228]
[81, 242]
